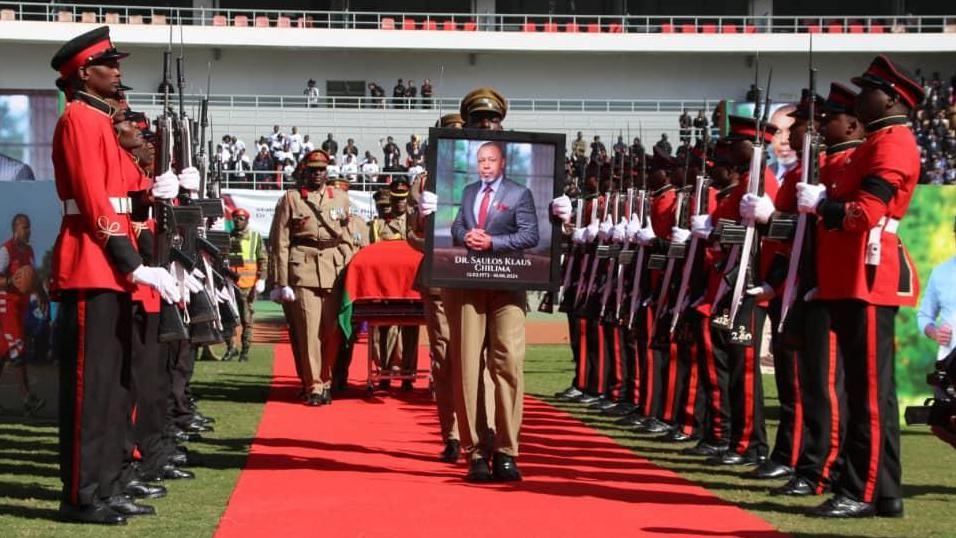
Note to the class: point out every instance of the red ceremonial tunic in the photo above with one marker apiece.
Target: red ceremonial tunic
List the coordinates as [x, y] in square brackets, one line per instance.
[13, 303]
[138, 181]
[94, 249]
[864, 186]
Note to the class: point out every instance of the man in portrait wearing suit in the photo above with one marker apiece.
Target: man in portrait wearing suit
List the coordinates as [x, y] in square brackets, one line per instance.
[496, 214]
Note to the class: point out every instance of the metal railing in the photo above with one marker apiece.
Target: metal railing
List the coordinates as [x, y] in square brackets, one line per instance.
[528, 104]
[631, 24]
[279, 180]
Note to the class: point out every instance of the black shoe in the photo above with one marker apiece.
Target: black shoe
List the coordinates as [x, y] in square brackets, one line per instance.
[407, 385]
[97, 513]
[569, 393]
[797, 486]
[180, 460]
[198, 427]
[169, 472]
[186, 437]
[243, 356]
[32, 404]
[704, 449]
[598, 404]
[840, 506]
[606, 405]
[326, 397]
[478, 471]
[889, 507]
[585, 399]
[653, 425]
[142, 490]
[384, 384]
[770, 470]
[733, 458]
[633, 420]
[620, 409]
[678, 436]
[452, 449]
[314, 400]
[504, 468]
[124, 505]
[199, 417]
[230, 354]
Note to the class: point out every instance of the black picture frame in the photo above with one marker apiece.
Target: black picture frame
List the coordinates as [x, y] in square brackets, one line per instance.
[511, 273]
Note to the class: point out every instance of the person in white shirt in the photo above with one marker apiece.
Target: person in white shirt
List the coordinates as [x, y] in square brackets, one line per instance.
[937, 310]
[370, 168]
[237, 145]
[311, 93]
[275, 134]
[307, 145]
[295, 144]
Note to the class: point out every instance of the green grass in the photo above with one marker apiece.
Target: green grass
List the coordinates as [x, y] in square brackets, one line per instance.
[231, 392]
[928, 477]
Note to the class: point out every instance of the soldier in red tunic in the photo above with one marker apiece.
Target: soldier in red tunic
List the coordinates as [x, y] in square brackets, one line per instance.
[859, 215]
[95, 268]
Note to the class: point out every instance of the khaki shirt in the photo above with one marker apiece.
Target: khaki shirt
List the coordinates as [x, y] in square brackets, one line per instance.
[359, 231]
[298, 224]
[415, 230]
[392, 229]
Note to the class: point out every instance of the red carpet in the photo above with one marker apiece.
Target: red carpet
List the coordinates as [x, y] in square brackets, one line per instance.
[368, 468]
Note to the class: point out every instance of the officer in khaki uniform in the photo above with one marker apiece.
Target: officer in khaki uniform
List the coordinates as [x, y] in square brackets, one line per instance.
[308, 232]
[249, 244]
[396, 345]
[492, 319]
[358, 231]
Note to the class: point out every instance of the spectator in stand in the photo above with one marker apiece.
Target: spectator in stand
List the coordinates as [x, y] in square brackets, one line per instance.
[224, 153]
[427, 93]
[377, 93]
[411, 94]
[331, 147]
[237, 145]
[685, 124]
[350, 165]
[414, 151]
[637, 148]
[664, 145]
[934, 125]
[263, 143]
[307, 145]
[598, 151]
[398, 94]
[370, 168]
[620, 151]
[700, 127]
[295, 144]
[350, 148]
[275, 134]
[392, 155]
[278, 147]
[242, 164]
[263, 162]
[311, 94]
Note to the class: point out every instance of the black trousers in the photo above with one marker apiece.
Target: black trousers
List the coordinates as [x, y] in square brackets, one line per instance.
[748, 432]
[789, 440]
[593, 357]
[821, 390]
[865, 334]
[628, 387]
[93, 348]
[613, 360]
[714, 373]
[180, 361]
[576, 335]
[691, 413]
[150, 384]
[651, 366]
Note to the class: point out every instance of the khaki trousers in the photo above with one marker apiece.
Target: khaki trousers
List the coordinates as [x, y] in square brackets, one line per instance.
[486, 330]
[386, 346]
[315, 333]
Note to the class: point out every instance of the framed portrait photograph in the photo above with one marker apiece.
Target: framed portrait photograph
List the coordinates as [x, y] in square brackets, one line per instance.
[493, 228]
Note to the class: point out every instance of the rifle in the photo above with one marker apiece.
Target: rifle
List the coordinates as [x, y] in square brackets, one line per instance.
[672, 256]
[748, 251]
[592, 274]
[644, 215]
[809, 174]
[582, 277]
[700, 199]
[574, 252]
[621, 261]
[611, 259]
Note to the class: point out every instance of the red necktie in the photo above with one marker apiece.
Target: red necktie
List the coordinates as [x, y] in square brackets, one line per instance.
[483, 208]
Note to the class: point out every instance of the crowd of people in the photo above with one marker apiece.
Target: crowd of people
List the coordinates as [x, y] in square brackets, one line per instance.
[276, 156]
[405, 95]
[935, 125]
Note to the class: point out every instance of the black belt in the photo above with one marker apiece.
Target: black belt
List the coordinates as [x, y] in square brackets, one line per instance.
[317, 243]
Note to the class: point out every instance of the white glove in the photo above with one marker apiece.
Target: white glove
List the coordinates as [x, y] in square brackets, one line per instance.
[260, 286]
[619, 233]
[275, 294]
[222, 296]
[701, 226]
[286, 294]
[758, 208]
[809, 197]
[577, 236]
[633, 228]
[192, 283]
[198, 274]
[762, 292]
[165, 185]
[646, 235]
[591, 232]
[561, 208]
[604, 230]
[679, 235]
[189, 179]
[159, 279]
[429, 203]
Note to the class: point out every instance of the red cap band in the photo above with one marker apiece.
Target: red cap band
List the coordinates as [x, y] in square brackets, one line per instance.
[85, 55]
